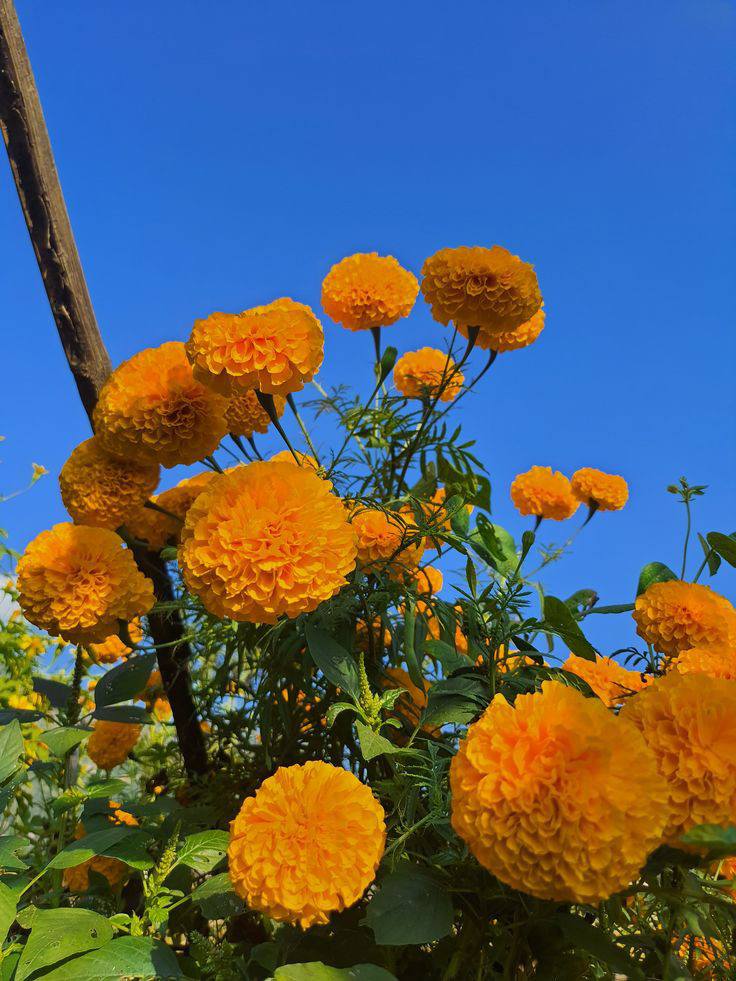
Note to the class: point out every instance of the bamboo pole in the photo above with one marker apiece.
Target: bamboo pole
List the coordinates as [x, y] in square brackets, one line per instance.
[37, 182]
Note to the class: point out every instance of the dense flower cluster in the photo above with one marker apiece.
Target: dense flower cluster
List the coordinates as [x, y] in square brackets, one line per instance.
[264, 540]
[245, 415]
[113, 648]
[368, 290]
[307, 844]
[510, 340]
[611, 682]
[156, 528]
[425, 373]
[556, 796]
[102, 490]
[276, 348]
[476, 287]
[716, 662]
[388, 541]
[604, 491]
[77, 582]
[111, 742]
[153, 410]
[675, 616]
[544, 494]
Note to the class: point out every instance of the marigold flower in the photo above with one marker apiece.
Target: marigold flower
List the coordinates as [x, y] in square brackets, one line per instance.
[245, 415]
[307, 844]
[276, 348]
[716, 662]
[675, 616]
[556, 796]
[119, 816]
[368, 290]
[544, 494]
[286, 456]
[510, 340]
[423, 373]
[102, 490]
[604, 491]
[112, 648]
[434, 627]
[77, 582]
[76, 878]
[611, 682]
[264, 540]
[507, 661]
[111, 742]
[155, 697]
[428, 580]
[477, 287]
[701, 954]
[153, 410]
[388, 541]
[157, 529]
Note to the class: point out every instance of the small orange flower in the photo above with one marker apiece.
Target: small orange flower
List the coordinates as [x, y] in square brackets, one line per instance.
[422, 374]
[510, 340]
[701, 954]
[119, 816]
[112, 648]
[675, 616]
[477, 287]
[111, 742]
[611, 682]
[604, 491]
[428, 581]
[158, 530]
[77, 582]
[716, 662]
[245, 415]
[368, 290]
[102, 490]
[153, 410]
[544, 494]
[276, 348]
[307, 844]
[388, 541]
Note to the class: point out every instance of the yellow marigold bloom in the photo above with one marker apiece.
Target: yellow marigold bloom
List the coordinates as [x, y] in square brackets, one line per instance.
[76, 878]
[111, 742]
[158, 530]
[428, 580]
[286, 456]
[153, 410]
[264, 540]
[368, 290]
[544, 494]
[675, 616]
[423, 373]
[716, 662]
[477, 287]
[276, 348]
[77, 582]
[33, 645]
[112, 648]
[611, 682]
[605, 491]
[556, 796]
[689, 721]
[409, 706]
[245, 415]
[307, 844]
[387, 540]
[510, 340]
[31, 701]
[102, 490]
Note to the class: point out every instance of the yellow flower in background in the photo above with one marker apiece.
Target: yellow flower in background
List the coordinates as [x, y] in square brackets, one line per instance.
[157, 530]
[32, 645]
[245, 415]
[675, 616]
[276, 348]
[510, 340]
[113, 648]
[423, 373]
[477, 287]
[111, 743]
[77, 582]
[307, 844]
[605, 491]
[611, 682]
[716, 662]
[556, 796]
[381, 636]
[434, 626]
[119, 816]
[153, 410]
[702, 954]
[388, 541]
[266, 539]
[368, 290]
[102, 490]
[544, 494]
[38, 471]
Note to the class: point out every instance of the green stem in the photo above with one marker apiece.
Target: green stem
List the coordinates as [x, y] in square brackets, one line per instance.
[687, 537]
[305, 431]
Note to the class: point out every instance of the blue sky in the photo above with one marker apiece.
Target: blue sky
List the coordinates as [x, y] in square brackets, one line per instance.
[218, 156]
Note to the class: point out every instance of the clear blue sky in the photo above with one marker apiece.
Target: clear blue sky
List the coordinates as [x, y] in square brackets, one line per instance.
[215, 156]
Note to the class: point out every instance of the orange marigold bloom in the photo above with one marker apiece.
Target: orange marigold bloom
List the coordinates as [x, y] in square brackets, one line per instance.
[701, 954]
[556, 796]
[605, 491]
[264, 540]
[158, 530]
[477, 287]
[77, 582]
[510, 340]
[111, 742]
[716, 662]
[307, 844]
[368, 290]
[675, 616]
[544, 494]
[428, 581]
[423, 373]
[153, 410]
[112, 648]
[102, 490]
[155, 698]
[611, 682]
[245, 415]
[286, 456]
[387, 540]
[276, 348]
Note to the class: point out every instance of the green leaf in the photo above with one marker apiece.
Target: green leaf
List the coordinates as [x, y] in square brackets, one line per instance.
[335, 709]
[724, 545]
[19, 715]
[410, 655]
[105, 788]
[559, 619]
[217, 899]
[125, 957]
[388, 360]
[457, 700]
[712, 838]
[8, 905]
[317, 971]
[482, 496]
[335, 663]
[202, 851]
[122, 713]
[55, 692]
[11, 750]
[373, 744]
[581, 934]
[651, 573]
[9, 845]
[60, 933]
[97, 843]
[494, 545]
[125, 681]
[410, 907]
[446, 655]
[619, 608]
[712, 558]
[61, 741]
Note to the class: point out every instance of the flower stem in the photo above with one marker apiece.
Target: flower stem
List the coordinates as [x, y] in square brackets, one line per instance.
[305, 431]
[267, 403]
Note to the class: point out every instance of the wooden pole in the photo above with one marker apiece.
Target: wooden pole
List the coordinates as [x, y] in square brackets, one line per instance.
[37, 182]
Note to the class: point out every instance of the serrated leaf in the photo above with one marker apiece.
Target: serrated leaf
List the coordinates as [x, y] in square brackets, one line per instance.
[202, 851]
[60, 933]
[713, 559]
[335, 663]
[410, 907]
[125, 681]
[456, 700]
[651, 573]
[494, 545]
[373, 744]
[335, 709]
